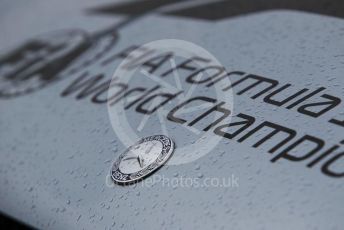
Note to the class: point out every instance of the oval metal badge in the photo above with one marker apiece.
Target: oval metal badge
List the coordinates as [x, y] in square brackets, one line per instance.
[142, 159]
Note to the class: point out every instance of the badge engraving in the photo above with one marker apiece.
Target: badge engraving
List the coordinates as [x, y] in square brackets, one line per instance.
[142, 159]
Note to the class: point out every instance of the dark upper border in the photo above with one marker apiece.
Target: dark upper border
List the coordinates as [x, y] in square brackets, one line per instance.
[227, 8]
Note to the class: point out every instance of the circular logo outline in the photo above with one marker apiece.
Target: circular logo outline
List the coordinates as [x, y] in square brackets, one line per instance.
[165, 154]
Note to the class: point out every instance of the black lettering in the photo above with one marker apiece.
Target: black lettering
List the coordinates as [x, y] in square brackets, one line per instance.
[168, 96]
[141, 97]
[305, 97]
[224, 77]
[217, 108]
[285, 153]
[326, 167]
[259, 80]
[276, 129]
[268, 99]
[191, 79]
[134, 62]
[97, 100]
[333, 102]
[322, 156]
[337, 122]
[155, 62]
[86, 87]
[171, 115]
[126, 94]
[185, 65]
[243, 125]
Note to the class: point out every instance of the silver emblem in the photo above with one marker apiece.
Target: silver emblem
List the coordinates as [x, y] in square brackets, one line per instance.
[142, 159]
